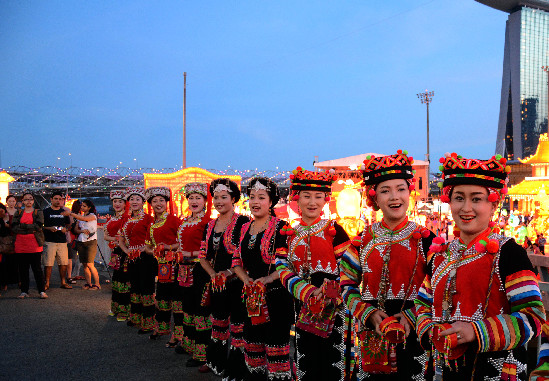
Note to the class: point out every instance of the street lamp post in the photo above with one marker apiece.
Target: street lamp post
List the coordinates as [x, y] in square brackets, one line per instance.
[426, 98]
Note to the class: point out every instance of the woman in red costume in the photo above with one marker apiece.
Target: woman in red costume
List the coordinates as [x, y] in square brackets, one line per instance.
[192, 325]
[480, 302]
[120, 303]
[219, 243]
[381, 279]
[159, 260]
[269, 305]
[310, 271]
[132, 243]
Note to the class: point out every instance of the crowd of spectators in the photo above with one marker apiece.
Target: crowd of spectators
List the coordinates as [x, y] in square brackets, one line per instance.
[35, 238]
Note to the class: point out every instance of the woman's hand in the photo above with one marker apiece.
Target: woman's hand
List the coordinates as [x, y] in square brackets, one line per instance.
[465, 332]
[186, 254]
[405, 323]
[376, 318]
[264, 280]
[86, 232]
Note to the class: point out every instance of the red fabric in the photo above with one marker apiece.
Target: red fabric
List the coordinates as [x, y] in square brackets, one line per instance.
[472, 286]
[190, 235]
[164, 231]
[26, 243]
[321, 247]
[401, 265]
[135, 232]
[114, 225]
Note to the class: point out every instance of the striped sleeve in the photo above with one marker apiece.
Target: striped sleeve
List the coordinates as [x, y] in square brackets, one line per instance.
[541, 372]
[297, 286]
[423, 315]
[410, 315]
[508, 331]
[350, 279]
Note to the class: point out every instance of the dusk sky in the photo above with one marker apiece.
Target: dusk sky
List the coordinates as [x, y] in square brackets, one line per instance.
[269, 83]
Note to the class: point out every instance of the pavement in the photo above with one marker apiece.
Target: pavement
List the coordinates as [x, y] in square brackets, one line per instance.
[70, 336]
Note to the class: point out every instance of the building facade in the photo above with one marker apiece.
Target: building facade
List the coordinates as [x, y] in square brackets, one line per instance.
[524, 90]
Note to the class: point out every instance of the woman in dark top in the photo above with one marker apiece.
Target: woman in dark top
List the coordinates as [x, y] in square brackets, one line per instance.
[29, 242]
[216, 255]
[269, 304]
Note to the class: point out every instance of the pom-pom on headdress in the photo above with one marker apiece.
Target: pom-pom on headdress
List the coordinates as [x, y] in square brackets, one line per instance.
[199, 188]
[378, 169]
[311, 181]
[225, 184]
[457, 170]
[117, 194]
[157, 191]
[135, 190]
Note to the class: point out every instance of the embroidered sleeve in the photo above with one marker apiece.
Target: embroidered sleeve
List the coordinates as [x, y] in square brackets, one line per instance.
[422, 310]
[148, 236]
[237, 255]
[297, 286]
[341, 241]
[350, 279]
[423, 246]
[508, 331]
[541, 372]
[205, 237]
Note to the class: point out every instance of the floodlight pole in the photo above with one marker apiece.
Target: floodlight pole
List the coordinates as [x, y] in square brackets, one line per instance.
[184, 119]
[426, 98]
[546, 69]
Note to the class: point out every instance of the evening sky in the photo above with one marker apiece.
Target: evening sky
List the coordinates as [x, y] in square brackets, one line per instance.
[269, 83]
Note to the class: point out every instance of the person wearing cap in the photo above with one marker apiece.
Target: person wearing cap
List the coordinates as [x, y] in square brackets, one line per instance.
[222, 293]
[132, 242]
[381, 278]
[159, 261]
[120, 302]
[309, 270]
[192, 324]
[269, 305]
[480, 303]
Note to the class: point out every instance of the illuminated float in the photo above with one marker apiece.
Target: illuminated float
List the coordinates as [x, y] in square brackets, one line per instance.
[176, 182]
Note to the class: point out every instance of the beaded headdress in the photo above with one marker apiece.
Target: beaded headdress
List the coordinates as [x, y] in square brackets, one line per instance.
[491, 173]
[200, 188]
[312, 181]
[266, 184]
[378, 169]
[157, 191]
[135, 190]
[225, 184]
[117, 194]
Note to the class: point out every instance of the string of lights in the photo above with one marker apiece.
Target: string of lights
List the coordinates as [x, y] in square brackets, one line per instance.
[101, 180]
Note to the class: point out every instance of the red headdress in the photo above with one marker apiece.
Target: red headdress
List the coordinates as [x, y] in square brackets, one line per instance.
[382, 168]
[312, 181]
[457, 170]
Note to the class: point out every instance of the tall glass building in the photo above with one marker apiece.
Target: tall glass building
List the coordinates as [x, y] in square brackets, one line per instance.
[524, 96]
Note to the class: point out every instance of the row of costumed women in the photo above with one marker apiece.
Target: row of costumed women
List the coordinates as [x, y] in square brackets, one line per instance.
[393, 303]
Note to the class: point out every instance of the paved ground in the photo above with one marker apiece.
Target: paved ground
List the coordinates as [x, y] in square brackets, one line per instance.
[70, 337]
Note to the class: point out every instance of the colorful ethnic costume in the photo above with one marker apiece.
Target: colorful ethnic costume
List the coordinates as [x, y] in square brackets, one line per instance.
[120, 303]
[161, 233]
[134, 234]
[386, 274]
[541, 372]
[489, 283]
[312, 262]
[227, 310]
[270, 307]
[192, 324]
